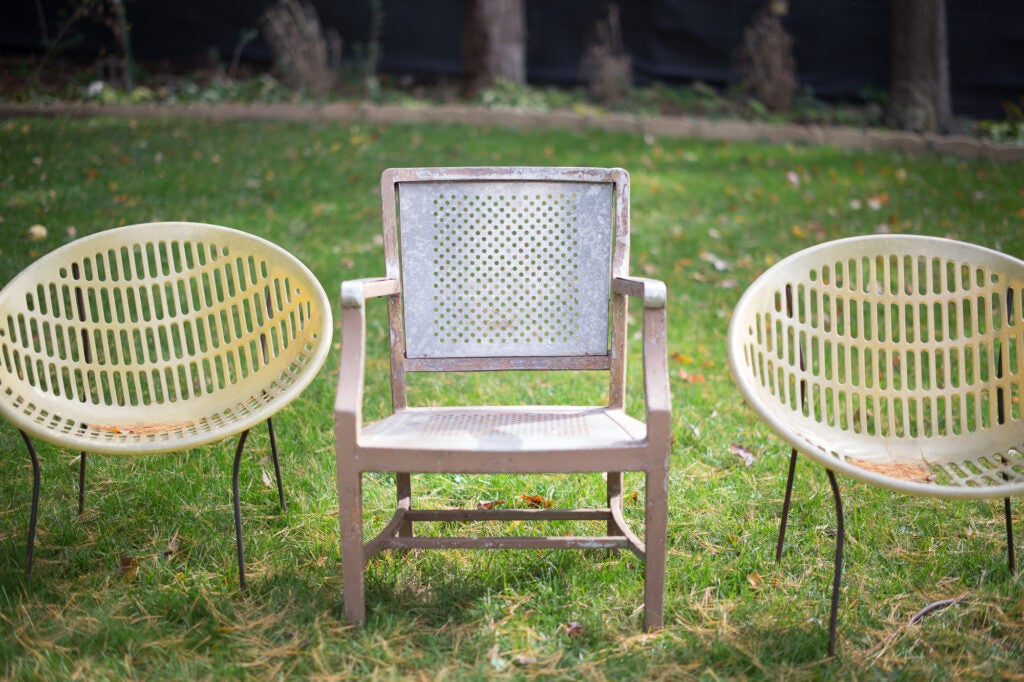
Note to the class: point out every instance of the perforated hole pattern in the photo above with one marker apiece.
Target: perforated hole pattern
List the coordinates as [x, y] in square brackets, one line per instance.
[506, 269]
[899, 347]
[135, 336]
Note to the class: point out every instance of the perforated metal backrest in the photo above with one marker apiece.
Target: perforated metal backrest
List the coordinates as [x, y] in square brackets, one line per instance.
[157, 336]
[507, 262]
[891, 356]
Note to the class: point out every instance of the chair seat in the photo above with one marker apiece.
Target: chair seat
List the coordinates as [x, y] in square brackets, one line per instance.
[505, 429]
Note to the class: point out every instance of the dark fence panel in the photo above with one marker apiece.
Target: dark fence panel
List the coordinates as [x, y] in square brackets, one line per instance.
[842, 48]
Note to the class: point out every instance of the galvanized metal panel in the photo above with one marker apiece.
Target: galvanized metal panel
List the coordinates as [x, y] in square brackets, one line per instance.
[495, 269]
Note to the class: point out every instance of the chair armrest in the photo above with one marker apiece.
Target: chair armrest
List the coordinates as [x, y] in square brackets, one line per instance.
[348, 400]
[355, 292]
[652, 291]
[657, 396]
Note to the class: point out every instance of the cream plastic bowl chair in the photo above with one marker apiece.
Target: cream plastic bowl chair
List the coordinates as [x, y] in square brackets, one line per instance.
[896, 360]
[505, 269]
[155, 338]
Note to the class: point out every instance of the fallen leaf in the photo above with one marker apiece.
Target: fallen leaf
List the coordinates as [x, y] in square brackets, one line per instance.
[754, 579]
[908, 471]
[141, 428]
[717, 263]
[536, 501]
[523, 659]
[129, 568]
[691, 378]
[489, 504]
[793, 178]
[743, 453]
[573, 629]
[172, 547]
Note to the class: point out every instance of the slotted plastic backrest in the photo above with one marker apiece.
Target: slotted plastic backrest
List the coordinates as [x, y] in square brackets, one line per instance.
[145, 326]
[898, 348]
[506, 268]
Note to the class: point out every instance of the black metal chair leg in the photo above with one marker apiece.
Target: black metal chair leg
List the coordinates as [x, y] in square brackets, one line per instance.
[785, 506]
[238, 511]
[35, 503]
[1009, 536]
[277, 464]
[81, 484]
[838, 576]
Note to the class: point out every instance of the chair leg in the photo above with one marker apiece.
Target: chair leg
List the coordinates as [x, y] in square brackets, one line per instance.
[238, 511]
[655, 536]
[838, 575]
[35, 503]
[614, 487]
[277, 463]
[785, 506]
[350, 523]
[1009, 536]
[403, 493]
[81, 484]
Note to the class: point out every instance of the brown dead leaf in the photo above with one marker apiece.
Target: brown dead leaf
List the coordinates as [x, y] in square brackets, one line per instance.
[129, 568]
[755, 580]
[172, 547]
[907, 471]
[691, 378]
[536, 501]
[574, 629]
[489, 504]
[145, 428]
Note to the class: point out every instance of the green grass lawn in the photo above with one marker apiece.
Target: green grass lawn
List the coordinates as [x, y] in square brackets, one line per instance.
[707, 218]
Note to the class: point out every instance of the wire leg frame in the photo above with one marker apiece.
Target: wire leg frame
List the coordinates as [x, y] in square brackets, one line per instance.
[81, 483]
[837, 575]
[33, 517]
[277, 463]
[35, 503]
[785, 506]
[240, 549]
[1009, 537]
[238, 511]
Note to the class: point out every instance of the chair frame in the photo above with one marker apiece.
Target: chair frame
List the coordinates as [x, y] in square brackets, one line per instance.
[130, 323]
[647, 452]
[808, 335]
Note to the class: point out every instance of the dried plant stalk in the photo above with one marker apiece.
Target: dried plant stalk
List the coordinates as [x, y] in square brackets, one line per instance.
[765, 62]
[306, 54]
[606, 65]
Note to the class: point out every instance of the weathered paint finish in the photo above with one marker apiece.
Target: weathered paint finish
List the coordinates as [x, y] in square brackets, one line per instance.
[520, 439]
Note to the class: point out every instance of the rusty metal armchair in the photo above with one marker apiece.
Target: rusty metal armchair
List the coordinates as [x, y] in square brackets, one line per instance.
[155, 338]
[504, 269]
[895, 360]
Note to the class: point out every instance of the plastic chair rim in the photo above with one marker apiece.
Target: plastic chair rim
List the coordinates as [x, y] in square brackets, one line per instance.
[816, 451]
[317, 358]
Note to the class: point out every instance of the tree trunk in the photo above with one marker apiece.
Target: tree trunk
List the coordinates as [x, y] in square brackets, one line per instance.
[494, 42]
[920, 89]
